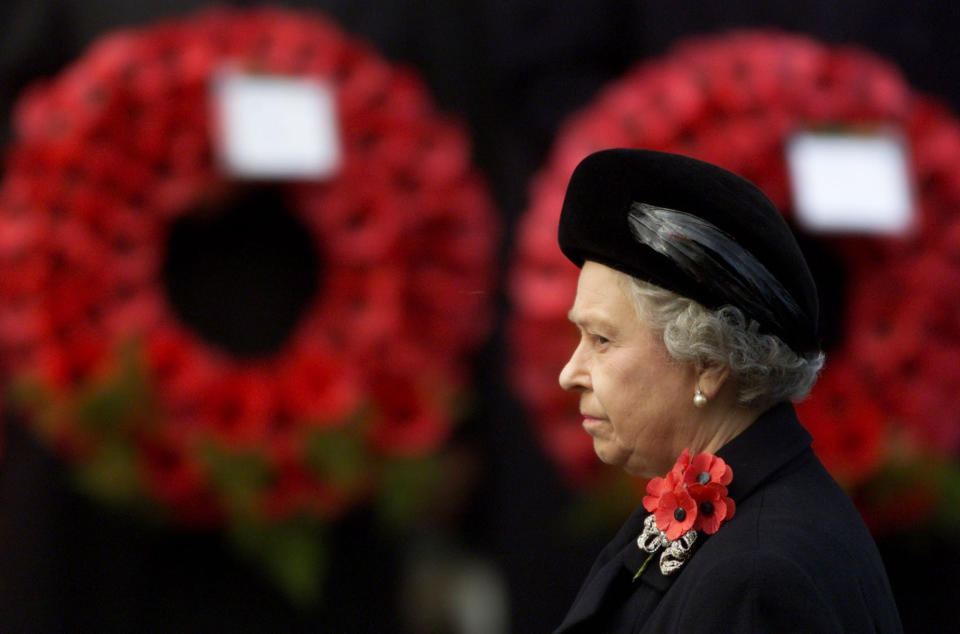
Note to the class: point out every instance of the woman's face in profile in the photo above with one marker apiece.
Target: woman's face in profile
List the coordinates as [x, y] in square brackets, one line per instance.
[635, 399]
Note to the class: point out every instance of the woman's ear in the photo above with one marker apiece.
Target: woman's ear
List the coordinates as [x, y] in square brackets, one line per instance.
[711, 378]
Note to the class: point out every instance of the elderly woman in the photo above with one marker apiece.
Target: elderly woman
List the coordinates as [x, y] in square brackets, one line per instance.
[698, 325]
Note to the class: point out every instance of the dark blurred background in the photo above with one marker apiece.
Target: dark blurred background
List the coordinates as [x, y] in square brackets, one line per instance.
[512, 72]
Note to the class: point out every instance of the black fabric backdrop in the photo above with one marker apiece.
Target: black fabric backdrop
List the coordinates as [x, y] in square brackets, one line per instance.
[512, 71]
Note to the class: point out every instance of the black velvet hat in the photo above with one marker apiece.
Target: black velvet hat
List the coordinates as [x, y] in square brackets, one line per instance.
[695, 229]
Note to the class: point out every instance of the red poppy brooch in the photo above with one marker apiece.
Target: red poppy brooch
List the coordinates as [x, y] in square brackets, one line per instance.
[691, 498]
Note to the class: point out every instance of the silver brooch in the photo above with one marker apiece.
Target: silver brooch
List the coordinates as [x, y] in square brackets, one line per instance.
[675, 552]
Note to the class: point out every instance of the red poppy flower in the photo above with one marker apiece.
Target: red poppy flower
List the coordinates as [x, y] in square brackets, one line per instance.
[296, 490]
[705, 468]
[172, 472]
[676, 512]
[680, 466]
[318, 388]
[846, 423]
[409, 419]
[713, 506]
[657, 487]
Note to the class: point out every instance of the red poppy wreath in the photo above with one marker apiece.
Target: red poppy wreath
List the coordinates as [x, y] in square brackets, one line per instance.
[352, 403]
[734, 100]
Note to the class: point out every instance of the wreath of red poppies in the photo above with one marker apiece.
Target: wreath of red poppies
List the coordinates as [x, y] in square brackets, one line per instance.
[116, 148]
[734, 100]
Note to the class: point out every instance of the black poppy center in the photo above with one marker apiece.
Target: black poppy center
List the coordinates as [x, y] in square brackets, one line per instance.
[242, 271]
[706, 508]
[703, 477]
[679, 514]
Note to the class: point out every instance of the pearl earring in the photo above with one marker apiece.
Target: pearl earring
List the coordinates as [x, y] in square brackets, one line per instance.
[699, 400]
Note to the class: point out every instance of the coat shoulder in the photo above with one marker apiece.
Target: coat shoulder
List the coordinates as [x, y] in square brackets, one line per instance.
[779, 565]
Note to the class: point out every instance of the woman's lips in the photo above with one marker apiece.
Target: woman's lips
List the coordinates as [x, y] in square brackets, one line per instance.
[589, 422]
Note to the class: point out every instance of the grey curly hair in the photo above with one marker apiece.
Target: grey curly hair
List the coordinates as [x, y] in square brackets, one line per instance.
[765, 369]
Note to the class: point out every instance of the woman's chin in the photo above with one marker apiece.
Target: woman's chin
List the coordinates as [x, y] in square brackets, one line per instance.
[609, 455]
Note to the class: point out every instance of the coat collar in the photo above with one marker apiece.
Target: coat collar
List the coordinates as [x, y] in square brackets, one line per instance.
[772, 441]
[766, 446]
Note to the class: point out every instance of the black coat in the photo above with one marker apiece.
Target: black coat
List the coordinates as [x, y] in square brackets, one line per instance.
[796, 557]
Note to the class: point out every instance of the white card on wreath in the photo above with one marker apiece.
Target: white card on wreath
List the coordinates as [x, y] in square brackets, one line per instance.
[271, 127]
[850, 183]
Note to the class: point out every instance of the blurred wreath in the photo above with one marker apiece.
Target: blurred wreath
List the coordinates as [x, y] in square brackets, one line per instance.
[885, 414]
[111, 192]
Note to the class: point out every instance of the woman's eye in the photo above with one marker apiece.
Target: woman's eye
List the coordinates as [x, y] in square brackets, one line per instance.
[600, 339]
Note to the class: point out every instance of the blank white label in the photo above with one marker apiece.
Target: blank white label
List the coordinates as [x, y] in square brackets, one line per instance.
[276, 127]
[850, 183]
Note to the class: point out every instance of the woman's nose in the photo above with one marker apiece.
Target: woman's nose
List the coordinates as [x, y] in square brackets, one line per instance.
[573, 376]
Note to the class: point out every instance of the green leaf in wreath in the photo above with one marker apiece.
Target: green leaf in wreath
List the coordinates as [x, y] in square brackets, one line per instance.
[112, 474]
[948, 509]
[239, 477]
[339, 457]
[114, 403]
[293, 554]
[406, 489]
